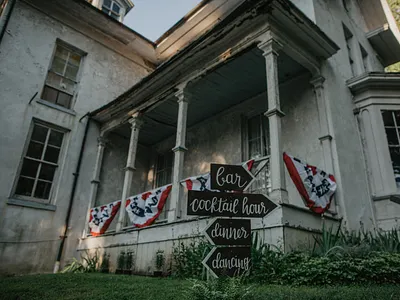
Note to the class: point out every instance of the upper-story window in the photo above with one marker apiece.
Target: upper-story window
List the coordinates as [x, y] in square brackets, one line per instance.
[350, 51]
[391, 119]
[364, 55]
[112, 8]
[62, 77]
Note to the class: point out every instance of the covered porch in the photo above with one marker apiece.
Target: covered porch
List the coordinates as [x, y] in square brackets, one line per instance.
[252, 93]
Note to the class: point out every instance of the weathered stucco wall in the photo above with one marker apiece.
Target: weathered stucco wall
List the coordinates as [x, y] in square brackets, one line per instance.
[349, 164]
[29, 237]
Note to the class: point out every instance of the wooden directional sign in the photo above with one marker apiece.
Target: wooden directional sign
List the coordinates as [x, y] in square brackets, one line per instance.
[229, 232]
[228, 261]
[228, 204]
[230, 177]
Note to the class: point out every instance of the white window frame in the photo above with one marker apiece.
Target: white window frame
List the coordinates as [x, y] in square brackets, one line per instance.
[54, 183]
[264, 174]
[376, 147]
[71, 49]
[121, 9]
[163, 216]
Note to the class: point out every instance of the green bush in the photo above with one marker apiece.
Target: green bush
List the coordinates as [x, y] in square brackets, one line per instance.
[88, 264]
[187, 259]
[220, 289]
[336, 258]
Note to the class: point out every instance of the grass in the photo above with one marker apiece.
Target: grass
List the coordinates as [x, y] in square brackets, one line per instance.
[103, 286]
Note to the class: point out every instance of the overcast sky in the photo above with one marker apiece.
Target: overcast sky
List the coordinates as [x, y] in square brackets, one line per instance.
[152, 18]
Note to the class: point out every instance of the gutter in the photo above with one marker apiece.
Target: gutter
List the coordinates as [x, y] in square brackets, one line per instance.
[8, 11]
[71, 198]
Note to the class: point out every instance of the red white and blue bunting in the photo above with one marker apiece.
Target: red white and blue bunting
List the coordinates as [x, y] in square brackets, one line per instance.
[144, 209]
[102, 216]
[315, 186]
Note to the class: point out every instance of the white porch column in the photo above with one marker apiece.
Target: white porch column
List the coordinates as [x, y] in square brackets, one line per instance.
[270, 49]
[96, 180]
[179, 150]
[324, 123]
[136, 123]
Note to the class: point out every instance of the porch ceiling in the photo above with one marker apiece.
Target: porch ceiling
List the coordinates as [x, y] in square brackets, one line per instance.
[236, 81]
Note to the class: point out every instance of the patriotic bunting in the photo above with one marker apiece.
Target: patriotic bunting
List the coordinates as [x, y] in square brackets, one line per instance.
[314, 185]
[203, 182]
[102, 216]
[198, 183]
[144, 209]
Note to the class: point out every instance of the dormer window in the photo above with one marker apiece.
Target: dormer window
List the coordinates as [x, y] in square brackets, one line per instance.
[112, 8]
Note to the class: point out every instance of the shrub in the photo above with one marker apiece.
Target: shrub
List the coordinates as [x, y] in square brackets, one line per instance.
[187, 259]
[160, 260]
[105, 263]
[121, 261]
[220, 289]
[129, 260]
[88, 264]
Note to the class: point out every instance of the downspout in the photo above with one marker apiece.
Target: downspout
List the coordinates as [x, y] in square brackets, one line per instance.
[7, 15]
[71, 198]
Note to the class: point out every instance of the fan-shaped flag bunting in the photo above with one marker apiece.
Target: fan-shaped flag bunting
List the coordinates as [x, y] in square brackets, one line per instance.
[315, 186]
[144, 209]
[102, 216]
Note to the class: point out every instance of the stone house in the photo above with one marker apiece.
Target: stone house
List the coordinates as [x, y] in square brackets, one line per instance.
[93, 112]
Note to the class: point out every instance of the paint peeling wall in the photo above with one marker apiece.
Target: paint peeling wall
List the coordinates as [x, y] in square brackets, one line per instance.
[29, 237]
[350, 169]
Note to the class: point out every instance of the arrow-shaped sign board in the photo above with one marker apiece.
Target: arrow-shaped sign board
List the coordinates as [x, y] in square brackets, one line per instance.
[228, 204]
[223, 232]
[230, 177]
[228, 261]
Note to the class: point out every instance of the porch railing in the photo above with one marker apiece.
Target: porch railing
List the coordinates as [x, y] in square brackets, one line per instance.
[261, 170]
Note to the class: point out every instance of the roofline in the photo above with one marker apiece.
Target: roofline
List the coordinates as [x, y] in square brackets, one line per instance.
[90, 6]
[196, 42]
[374, 80]
[182, 21]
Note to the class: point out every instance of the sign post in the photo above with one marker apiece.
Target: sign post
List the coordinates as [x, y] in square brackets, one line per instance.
[231, 255]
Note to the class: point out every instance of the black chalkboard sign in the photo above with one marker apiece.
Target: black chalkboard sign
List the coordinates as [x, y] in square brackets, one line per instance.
[222, 232]
[228, 261]
[230, 177]
[228, 204]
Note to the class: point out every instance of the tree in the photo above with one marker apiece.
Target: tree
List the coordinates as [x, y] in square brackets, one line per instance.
[395, 6]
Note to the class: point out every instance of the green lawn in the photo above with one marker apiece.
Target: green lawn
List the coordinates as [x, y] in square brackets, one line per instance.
[109, 287]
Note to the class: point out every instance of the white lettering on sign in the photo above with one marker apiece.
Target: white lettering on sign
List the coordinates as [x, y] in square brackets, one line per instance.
[215, 205]
[229, 233]
[255, 208]
[230, 263]
[223, 205]
[229, 178]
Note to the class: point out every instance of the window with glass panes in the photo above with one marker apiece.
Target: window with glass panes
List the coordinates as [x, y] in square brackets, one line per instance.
[391, 119]
[349, 40]
[258, 141]
[40, 163]
[258, 148]
[62, 76]
[164, 169]
[112, 8]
